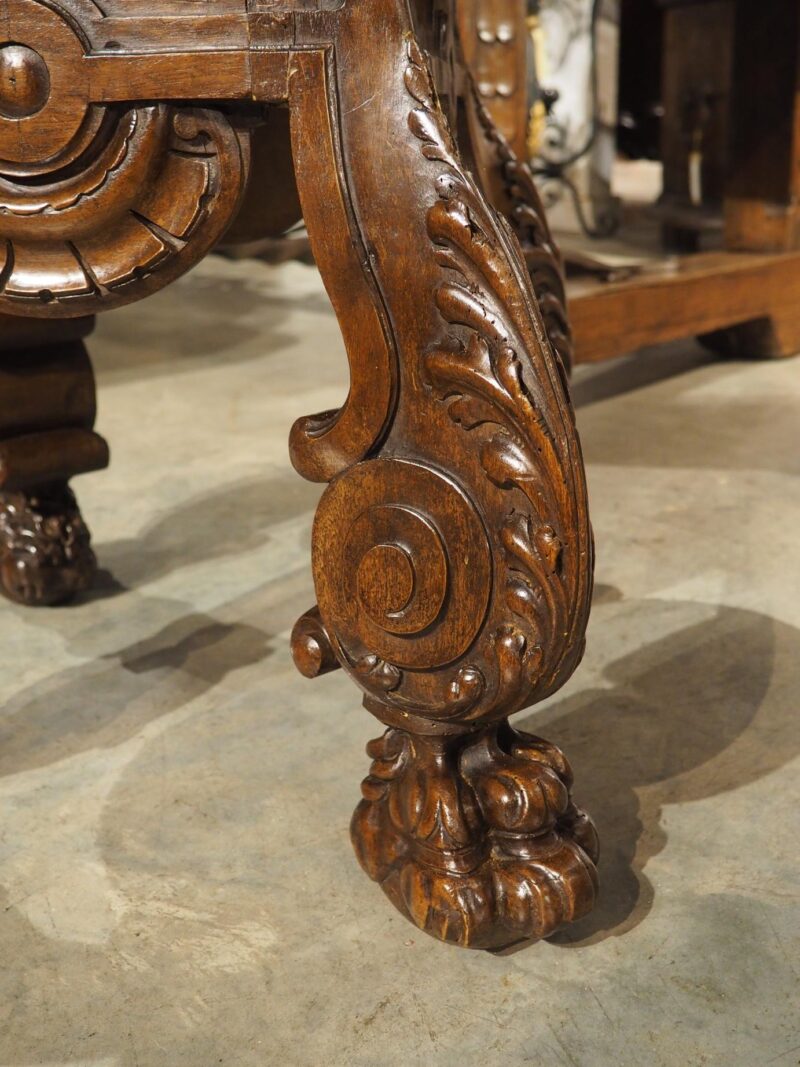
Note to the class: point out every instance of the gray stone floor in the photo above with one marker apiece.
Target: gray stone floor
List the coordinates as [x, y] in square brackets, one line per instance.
[177, 887]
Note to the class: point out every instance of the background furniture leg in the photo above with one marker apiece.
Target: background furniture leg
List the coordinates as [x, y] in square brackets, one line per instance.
[762, 195]
[494, 41]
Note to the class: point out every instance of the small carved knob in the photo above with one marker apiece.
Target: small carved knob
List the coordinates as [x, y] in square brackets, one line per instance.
[24, 82]
[311, 646]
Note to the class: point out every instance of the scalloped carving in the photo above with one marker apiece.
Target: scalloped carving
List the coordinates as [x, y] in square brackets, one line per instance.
[527, 216]
[148, 198]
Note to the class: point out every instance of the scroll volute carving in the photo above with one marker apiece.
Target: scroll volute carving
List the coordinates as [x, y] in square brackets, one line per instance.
[459, 590]
[99, 205]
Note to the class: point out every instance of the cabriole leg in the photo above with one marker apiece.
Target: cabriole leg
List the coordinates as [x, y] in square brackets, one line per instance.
[452, 550]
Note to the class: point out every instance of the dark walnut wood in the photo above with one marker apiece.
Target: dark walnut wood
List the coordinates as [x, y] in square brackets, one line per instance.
[510, 186]
[45, 551]
[452, 550]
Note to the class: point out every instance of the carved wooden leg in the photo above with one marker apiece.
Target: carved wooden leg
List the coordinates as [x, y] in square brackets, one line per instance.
[452, 550]
[47, 410]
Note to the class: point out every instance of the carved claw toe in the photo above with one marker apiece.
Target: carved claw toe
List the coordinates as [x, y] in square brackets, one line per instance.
[476, 839]
[45, 547]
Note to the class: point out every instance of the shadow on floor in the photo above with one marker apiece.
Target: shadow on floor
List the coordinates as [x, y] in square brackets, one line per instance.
[105, 702]
[199, 319]
[702, 711]
[234, 519]
[601, 381]
[692, 421]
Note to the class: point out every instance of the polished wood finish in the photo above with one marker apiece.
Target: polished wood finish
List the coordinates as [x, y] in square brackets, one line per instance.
[452, 550]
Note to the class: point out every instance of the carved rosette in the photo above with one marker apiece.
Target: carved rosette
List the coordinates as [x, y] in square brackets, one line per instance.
[453, 568]
[100, 205]
[151, 194]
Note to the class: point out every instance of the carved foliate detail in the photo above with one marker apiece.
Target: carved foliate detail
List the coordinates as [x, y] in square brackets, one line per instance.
[521, 428]
[452, 552]
[527, 217]
[45, 547]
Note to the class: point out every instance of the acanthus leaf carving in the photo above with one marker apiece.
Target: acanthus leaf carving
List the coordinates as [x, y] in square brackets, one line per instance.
[487, 393]
[528, 219]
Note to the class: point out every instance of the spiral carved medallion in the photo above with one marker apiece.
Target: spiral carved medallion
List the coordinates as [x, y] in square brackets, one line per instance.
[404, 565]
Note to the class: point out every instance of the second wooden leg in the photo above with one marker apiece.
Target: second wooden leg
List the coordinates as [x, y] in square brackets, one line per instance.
[47, 411]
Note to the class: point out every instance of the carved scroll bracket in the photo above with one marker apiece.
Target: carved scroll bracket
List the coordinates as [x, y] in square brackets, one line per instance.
[325, 445]
[447, 597]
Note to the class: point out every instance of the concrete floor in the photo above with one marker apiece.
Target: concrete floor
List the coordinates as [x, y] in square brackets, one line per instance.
[177, 888]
